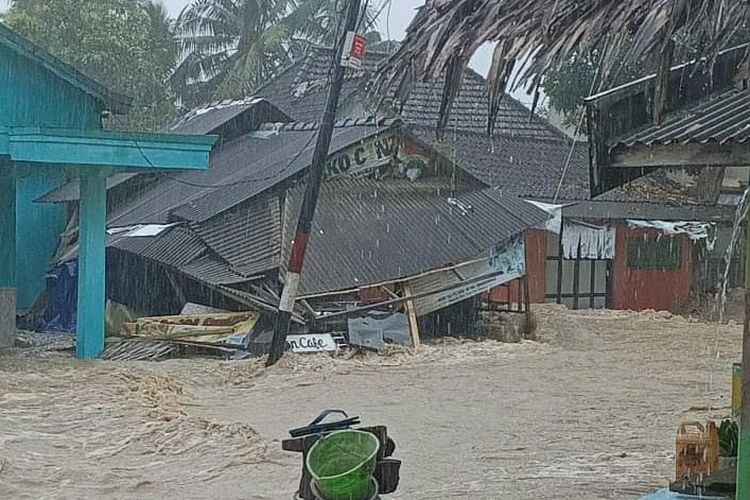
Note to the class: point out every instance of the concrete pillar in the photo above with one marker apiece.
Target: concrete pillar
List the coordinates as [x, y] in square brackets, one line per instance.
[91, 265]
[7, 257]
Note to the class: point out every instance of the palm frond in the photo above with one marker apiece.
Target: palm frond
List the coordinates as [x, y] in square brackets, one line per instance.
[547, 33]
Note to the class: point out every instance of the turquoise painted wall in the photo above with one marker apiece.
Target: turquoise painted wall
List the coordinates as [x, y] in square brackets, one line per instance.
[34, 96]
[38, 227]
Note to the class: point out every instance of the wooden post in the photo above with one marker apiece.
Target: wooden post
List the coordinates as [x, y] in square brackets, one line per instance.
[576, 276]
[743, 453]
[411, 314]
[91, 266]
[7, 257]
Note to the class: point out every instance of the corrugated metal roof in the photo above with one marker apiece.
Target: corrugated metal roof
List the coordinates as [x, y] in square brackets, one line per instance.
[239, 170]
[174, 247]
[617, 210]
[204, 120]
[71, 191]
[248, 237]
[210, 270]
[721, 119]
[286, 155]
[368, 232]
[528, 167]
[212, 118]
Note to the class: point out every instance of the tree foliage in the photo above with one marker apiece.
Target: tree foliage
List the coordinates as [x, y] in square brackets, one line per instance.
[124, 44]
[231, 47]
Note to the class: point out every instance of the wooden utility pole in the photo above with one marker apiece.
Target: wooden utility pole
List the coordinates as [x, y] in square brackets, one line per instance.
[312, 191]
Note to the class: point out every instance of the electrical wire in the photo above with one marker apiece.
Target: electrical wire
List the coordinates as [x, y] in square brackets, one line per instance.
[280, 172]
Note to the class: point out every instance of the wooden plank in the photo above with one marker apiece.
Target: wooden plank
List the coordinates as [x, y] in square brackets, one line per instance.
[593, 283]
[411, 314]
[176, 287]
[560, 266]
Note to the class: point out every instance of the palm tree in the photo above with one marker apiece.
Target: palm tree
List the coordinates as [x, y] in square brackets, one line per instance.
[230, 47]
[162, 32]
[545, 34]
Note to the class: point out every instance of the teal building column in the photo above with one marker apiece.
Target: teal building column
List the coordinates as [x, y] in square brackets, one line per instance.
[7, 227]
[7, 256]
[91, 265]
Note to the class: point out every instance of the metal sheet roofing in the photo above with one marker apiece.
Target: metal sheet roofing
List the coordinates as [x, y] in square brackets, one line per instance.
[210, 119]
[621, 210]
[174, 247]
[239, 170]
[368, 232]
[207, 119]
[721, 119]
[248, 237]
[71, 191]
[280, 157]
[530, 168]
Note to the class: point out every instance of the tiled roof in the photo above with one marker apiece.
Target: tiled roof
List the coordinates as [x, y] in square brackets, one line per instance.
[531, 168]
[300, 92]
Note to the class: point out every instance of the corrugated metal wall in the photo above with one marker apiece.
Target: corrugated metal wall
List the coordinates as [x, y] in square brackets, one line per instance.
[640, 289]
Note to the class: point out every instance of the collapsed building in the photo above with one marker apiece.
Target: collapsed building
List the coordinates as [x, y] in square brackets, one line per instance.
[402, 213]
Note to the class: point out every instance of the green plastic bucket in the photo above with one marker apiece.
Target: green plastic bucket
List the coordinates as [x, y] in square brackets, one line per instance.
[342, 464]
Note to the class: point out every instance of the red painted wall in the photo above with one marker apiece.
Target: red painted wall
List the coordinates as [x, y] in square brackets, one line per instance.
[536, 261]
[634, 289]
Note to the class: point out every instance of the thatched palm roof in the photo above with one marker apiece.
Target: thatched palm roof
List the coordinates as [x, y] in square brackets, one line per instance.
[545, 33]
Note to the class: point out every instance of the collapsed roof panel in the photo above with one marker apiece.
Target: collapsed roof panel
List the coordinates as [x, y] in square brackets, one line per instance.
[248, 237]
[367, 232]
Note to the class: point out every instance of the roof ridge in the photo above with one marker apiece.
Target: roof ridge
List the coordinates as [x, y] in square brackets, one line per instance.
[347, 122]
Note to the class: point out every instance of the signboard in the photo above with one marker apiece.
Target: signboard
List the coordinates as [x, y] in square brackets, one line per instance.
[364, 158]
[354, 51]
[383, 155]
[315, 342]
[504, 264]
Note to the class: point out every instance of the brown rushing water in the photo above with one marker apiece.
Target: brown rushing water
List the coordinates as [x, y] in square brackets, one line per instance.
[592, 409]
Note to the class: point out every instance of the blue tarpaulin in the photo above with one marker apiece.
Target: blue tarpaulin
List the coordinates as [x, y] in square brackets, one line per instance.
[62, 287]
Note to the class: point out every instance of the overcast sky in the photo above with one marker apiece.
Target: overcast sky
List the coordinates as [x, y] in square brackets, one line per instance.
[393, 22]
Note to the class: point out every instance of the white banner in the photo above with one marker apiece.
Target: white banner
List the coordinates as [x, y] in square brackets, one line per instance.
[505, 264]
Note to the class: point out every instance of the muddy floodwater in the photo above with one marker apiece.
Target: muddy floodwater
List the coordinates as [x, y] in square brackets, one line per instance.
[589, 412]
